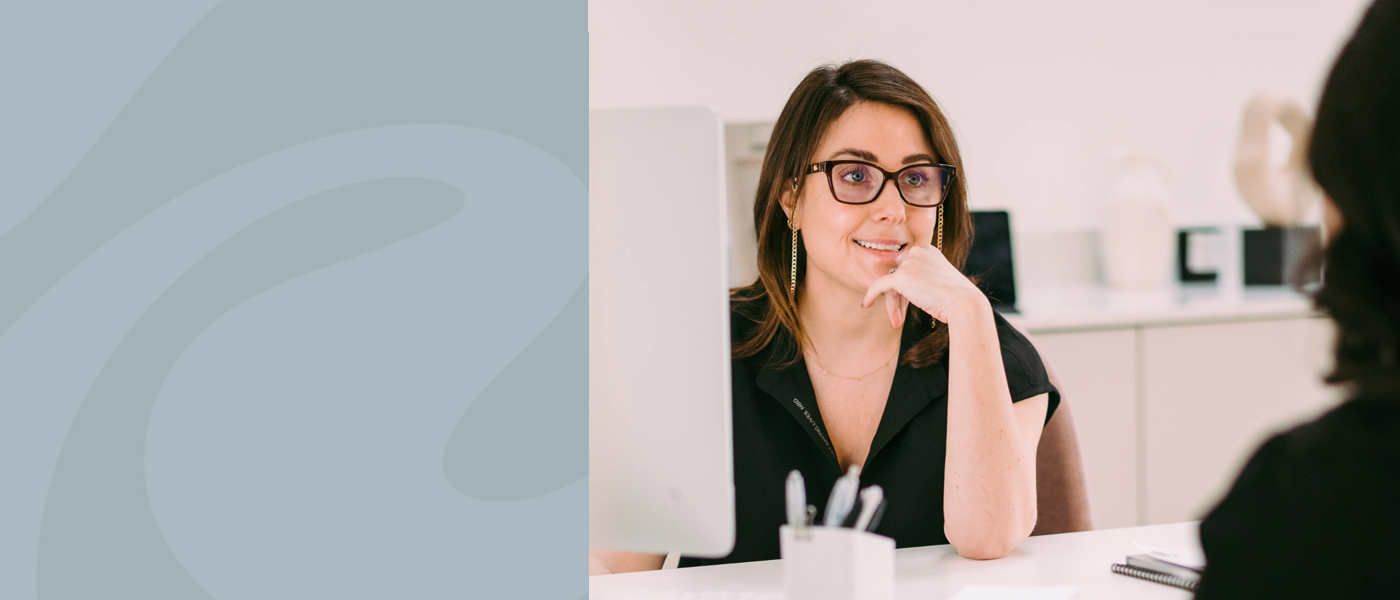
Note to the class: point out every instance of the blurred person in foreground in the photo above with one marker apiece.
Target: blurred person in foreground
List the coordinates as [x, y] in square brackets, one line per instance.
[1316, 512]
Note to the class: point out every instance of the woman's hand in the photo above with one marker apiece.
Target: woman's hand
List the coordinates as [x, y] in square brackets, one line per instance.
[926, 278]
[989, 494]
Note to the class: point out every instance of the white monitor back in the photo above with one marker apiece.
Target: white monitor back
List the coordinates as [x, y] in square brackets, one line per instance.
[660, 459]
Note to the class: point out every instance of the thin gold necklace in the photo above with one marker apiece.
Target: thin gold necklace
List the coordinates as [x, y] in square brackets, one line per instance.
[817, 356]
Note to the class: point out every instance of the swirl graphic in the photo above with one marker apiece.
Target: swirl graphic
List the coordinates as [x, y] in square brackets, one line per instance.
[114, 542]
[240, 334]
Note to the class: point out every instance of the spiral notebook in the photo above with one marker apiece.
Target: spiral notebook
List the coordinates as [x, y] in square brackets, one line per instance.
[1156, 570]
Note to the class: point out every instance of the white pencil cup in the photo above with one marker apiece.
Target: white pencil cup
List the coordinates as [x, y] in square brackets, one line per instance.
[836, 563]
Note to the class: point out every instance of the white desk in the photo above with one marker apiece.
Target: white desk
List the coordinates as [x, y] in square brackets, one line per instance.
[937, 572]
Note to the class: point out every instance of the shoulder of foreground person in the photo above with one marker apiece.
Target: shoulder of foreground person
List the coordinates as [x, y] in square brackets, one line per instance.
[1313, 513]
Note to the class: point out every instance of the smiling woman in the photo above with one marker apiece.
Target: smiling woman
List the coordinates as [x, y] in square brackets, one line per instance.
[850, 112]
[932, 394]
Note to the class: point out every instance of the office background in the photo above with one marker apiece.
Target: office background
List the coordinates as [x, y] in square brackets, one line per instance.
[258, 334]
[1173, 386]
[1042, 95]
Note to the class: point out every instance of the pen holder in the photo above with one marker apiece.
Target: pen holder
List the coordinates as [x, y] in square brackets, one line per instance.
[836, 563]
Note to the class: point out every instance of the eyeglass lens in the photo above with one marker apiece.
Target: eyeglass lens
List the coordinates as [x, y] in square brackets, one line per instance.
[857, 183]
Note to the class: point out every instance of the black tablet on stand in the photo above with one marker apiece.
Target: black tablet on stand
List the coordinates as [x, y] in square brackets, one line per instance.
[989, 263]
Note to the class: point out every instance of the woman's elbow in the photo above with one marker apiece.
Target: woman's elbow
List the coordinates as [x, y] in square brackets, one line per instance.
[991, 543]
[984, 549]
[988, 547]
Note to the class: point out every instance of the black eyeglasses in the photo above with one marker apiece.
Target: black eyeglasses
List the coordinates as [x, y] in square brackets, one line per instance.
[924, 185]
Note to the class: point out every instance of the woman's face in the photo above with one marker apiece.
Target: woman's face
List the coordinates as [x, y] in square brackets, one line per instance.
[840, 238]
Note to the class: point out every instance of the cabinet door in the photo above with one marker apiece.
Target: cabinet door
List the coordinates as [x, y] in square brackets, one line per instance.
[1213, 393]
[1097, 372]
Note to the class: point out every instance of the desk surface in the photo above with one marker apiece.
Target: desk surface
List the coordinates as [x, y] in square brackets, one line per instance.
[937, 572]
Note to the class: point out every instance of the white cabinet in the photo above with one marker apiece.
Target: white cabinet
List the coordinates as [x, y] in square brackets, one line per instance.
[1212, 394]
[1171, 400]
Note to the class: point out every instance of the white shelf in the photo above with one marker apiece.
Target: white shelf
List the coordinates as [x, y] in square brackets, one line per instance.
[1088, 308]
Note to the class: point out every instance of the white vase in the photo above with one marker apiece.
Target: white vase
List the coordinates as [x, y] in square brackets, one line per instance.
[1136, 241]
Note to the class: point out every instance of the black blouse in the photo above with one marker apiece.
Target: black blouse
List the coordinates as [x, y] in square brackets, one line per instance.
[1315, 513]
[777, 428]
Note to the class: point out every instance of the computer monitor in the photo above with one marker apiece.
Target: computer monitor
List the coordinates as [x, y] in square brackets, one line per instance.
[660, 457]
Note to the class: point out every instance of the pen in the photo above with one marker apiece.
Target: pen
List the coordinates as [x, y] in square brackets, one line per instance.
[796, 500]
[870, 499]
[843, 497]
[875, 520]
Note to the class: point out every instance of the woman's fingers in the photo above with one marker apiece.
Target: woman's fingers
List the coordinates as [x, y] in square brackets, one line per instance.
[881, 285]
[894, 305]
[923, 278]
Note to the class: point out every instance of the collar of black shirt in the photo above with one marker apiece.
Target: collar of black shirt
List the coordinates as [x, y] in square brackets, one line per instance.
[911, 392]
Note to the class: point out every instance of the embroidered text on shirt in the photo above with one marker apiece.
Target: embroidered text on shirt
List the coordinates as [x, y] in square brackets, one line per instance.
[811, 420]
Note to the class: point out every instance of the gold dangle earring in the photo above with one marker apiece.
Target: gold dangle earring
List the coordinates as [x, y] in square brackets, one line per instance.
[792, 287]
[939, 244]
[940, 228]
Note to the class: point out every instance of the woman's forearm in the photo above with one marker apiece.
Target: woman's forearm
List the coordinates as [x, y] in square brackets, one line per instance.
[607, 562]
[989, 503]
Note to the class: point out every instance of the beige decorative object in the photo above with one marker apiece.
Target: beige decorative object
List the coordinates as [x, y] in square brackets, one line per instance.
[1279, 195]
[1137, 237]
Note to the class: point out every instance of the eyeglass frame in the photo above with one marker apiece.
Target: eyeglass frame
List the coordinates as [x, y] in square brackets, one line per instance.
[826, 166]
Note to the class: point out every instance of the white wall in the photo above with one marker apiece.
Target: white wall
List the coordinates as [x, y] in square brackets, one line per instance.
[1041, 94]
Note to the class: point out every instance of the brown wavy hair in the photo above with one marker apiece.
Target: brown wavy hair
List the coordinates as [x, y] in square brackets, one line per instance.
[819, 100]
[1355, 156]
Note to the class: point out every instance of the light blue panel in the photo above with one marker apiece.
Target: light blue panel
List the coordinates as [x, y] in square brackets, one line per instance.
[270, 269]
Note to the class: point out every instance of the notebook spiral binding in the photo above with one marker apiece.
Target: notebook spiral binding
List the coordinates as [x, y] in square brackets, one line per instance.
[1154, 576]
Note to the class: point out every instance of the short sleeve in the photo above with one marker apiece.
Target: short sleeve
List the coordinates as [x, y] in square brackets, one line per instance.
[1025, 371]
